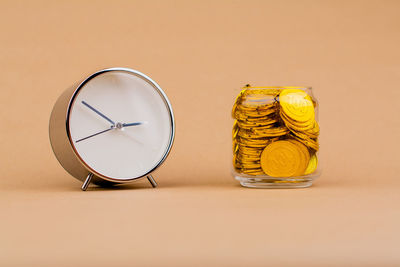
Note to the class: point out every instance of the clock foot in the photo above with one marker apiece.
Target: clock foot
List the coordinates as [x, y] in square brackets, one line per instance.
[87, 182]
[151, 180]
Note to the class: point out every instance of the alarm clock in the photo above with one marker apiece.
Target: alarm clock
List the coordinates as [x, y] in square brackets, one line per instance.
[115, 126]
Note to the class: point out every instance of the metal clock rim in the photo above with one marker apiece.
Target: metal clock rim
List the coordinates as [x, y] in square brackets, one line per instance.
[161, 93]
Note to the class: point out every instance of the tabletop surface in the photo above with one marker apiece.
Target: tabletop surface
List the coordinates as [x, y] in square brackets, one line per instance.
[201, 53]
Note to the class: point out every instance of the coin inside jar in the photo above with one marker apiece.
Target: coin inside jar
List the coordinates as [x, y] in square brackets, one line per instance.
[285, 159]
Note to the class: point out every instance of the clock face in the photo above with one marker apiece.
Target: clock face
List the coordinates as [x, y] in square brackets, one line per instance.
[120, 125]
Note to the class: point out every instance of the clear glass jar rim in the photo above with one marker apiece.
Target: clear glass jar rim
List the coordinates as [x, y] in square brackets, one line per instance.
[276, 87]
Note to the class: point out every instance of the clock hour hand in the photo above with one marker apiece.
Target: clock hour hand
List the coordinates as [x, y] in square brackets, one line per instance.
[98, 112]
[87, 137]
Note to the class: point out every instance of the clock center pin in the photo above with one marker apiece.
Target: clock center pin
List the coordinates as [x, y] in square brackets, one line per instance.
[119, 126]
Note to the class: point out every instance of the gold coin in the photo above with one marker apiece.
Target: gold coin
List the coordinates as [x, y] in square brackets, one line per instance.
[257, 116]
[314, 132]
[300, 126]
[271, 132]
[312, 165]
[260, 124]
[303, 148]
[255, 168]
[305, 134]
[241, 114]
[254, 143]
[251, 167]
[263, 102]
[245, 141]
[259, 91]
[234, 110]
[235, 125]
[276, 129]
[249, 160]
[235, 131]
[284, 159]
[255, 151]
[235, 147]
[250, 150]
[257, 102]
[258, 168]
[252, 172]
[246, 147]
[311, 143]
[297, 105]
[250, 164]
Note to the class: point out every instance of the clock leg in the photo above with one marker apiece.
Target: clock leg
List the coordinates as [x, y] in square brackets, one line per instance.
[87, 182]
[151, 180]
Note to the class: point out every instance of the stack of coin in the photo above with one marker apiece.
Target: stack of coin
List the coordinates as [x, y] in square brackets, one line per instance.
[255, 127]
[297, 113]
[274, 133]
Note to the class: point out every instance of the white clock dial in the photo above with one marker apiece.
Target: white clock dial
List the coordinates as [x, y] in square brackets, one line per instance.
[120, 125]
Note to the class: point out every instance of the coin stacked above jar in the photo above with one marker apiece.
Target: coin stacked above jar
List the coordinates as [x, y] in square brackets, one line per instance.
[275, 132]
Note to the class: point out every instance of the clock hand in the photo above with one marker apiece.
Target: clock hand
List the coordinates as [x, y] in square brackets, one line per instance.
[87, 137]
[118, 125]
[98, 112]
[133, 124]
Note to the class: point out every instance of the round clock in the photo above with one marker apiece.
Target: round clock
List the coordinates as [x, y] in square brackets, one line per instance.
[114, 127]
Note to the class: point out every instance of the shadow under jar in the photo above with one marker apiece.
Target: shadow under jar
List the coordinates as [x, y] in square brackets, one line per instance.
[275, 137]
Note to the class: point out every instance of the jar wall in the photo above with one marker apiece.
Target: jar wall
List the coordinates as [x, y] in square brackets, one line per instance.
[275, 137]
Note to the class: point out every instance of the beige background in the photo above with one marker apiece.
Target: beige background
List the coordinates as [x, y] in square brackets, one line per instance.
[201, 53]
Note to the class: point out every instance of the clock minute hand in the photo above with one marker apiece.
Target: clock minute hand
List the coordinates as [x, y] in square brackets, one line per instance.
[133, 124]
[87, 137]
[98, 112]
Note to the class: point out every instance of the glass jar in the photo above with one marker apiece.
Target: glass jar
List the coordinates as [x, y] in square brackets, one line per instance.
[275, 137]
